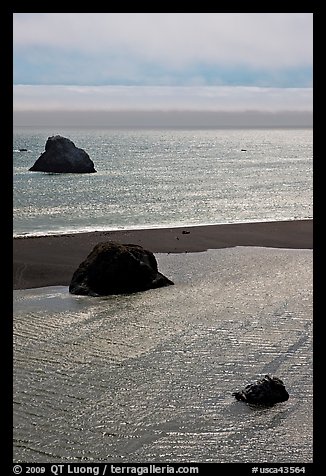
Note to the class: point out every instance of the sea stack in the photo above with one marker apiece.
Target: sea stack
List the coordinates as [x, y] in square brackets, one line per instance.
[62, 156]
[115, 268]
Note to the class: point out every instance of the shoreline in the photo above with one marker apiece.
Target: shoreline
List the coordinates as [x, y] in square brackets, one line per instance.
[51, 260]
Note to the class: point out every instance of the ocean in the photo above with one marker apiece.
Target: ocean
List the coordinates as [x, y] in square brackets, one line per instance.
[162, 178]
[148, 377]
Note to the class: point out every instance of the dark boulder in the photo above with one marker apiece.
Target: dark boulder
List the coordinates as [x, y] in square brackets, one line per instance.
[267, 391]
[62, 156]
[114, 268]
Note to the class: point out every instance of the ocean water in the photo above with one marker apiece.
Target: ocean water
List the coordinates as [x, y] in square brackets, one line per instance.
[151, 178]
[148, 377]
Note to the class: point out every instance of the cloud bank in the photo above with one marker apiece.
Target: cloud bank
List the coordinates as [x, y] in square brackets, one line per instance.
[134, 68]
[262, 49]
[144, 98]
[141, 106]
[259, 39]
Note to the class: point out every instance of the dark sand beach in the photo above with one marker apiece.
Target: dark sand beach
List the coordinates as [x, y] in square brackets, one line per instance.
[51, 260]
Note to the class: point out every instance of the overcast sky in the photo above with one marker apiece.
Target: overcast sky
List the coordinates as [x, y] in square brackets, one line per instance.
[163, 62]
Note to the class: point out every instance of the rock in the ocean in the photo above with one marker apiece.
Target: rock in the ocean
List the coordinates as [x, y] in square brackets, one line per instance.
[62, 156]
[267, 391]
[114, 268]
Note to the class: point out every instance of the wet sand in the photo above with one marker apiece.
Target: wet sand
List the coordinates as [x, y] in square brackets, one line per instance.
[148, 377]
[51, 260]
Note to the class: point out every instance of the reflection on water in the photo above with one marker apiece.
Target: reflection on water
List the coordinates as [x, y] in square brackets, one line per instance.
[141, 180]
[149, 377]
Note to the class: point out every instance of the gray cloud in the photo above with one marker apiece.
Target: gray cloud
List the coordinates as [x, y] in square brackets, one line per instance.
[268, 40]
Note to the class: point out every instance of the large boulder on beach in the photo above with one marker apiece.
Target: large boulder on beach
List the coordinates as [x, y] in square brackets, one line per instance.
[114, 268]
[62, 156]
[266, 391]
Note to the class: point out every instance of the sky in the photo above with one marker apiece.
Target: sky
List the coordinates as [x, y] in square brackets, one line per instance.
[164, 65]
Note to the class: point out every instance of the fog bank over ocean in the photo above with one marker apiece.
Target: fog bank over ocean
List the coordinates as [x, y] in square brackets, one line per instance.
[152, 119]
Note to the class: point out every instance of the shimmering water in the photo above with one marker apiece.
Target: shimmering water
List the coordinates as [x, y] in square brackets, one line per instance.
[149, 377]
[148, 178]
